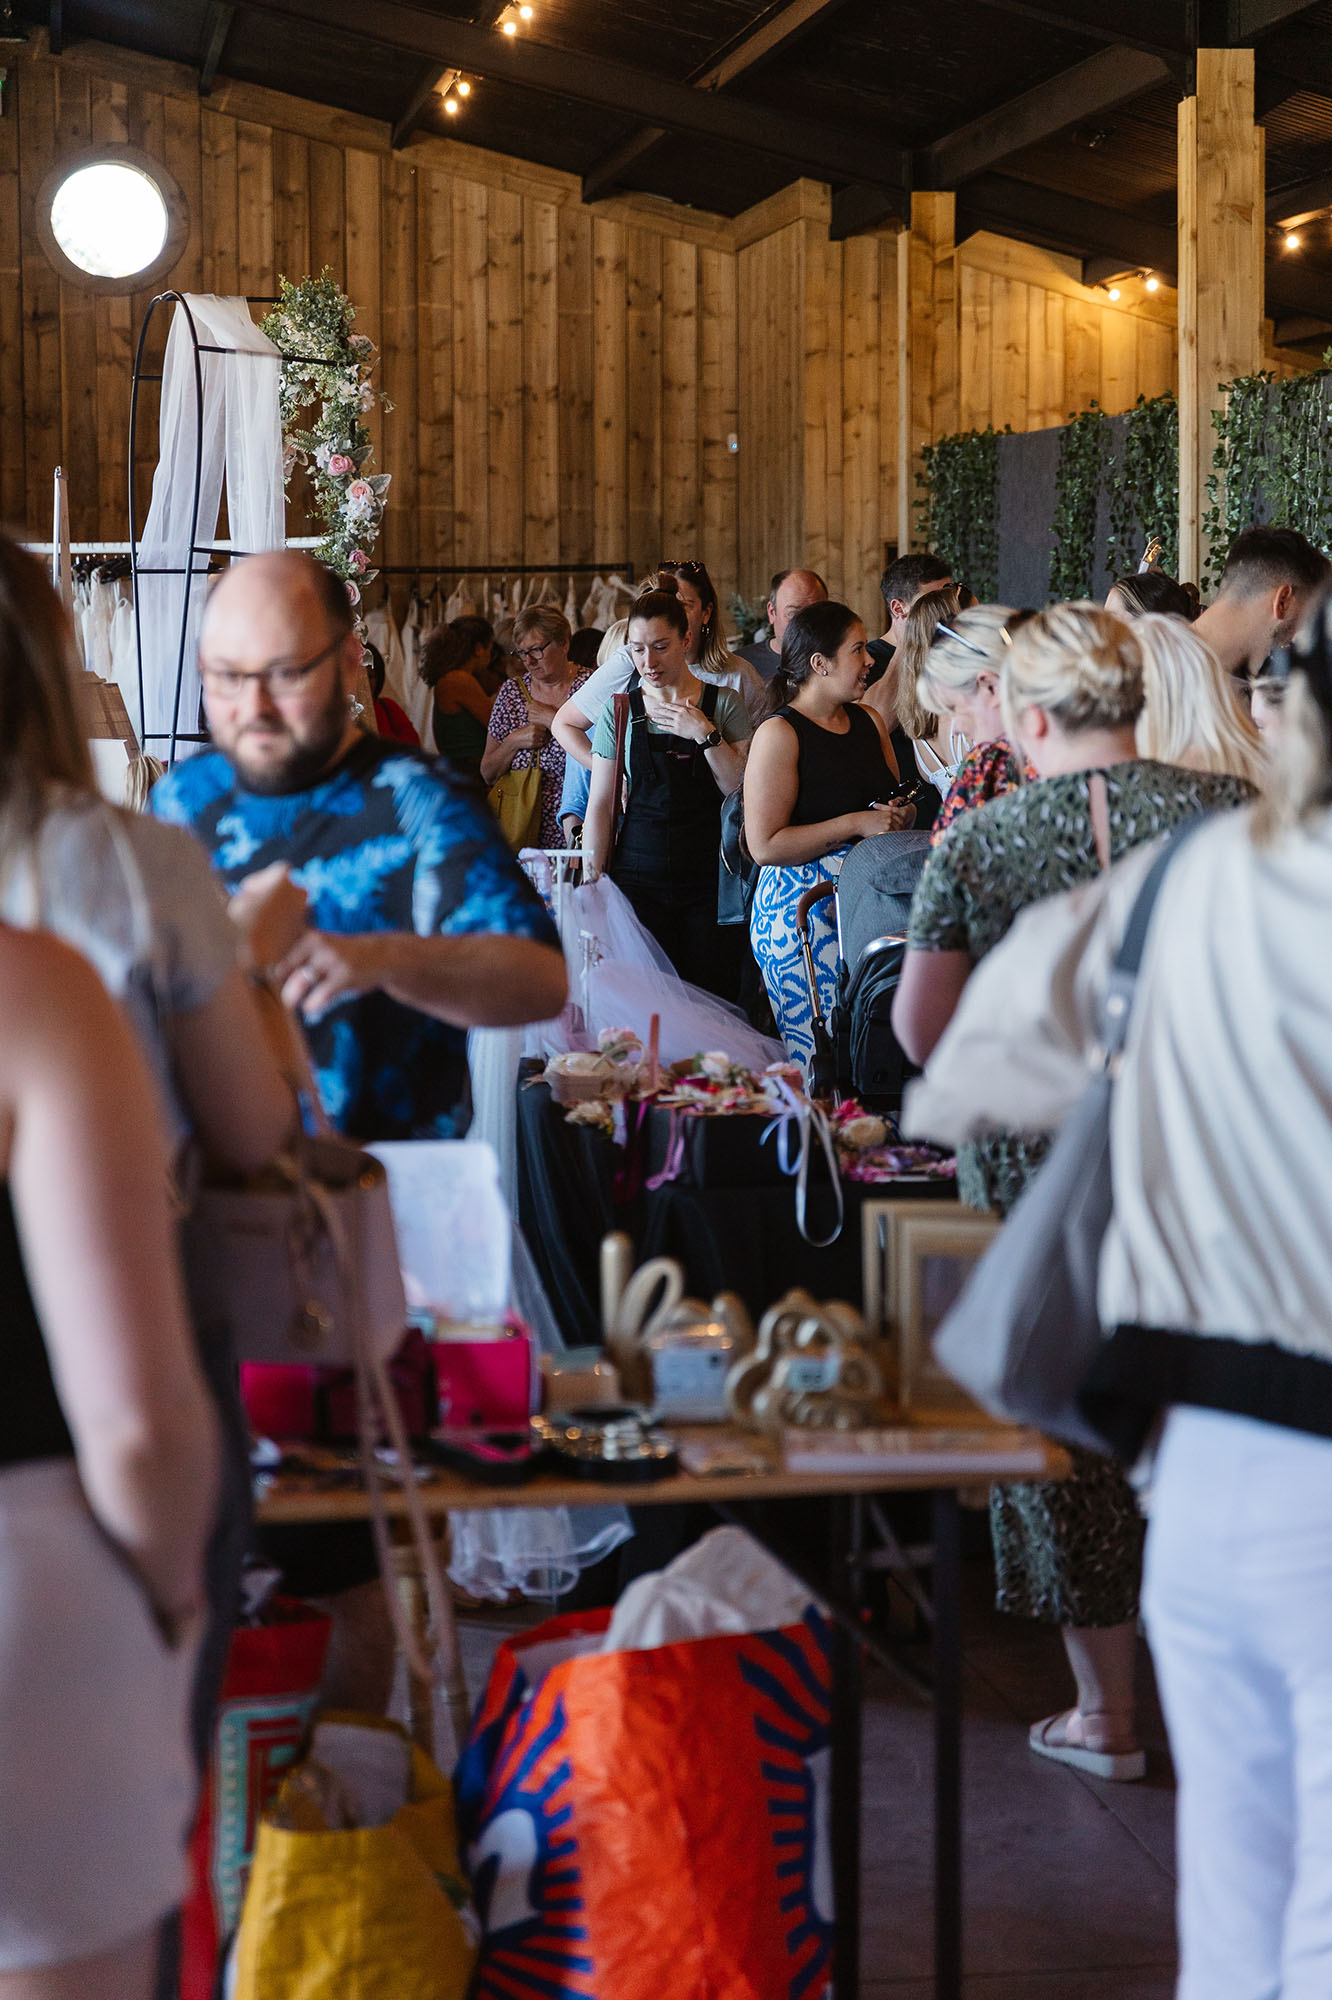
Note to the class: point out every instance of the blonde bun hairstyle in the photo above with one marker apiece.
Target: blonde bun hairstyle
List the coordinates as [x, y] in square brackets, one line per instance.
[1077, 662]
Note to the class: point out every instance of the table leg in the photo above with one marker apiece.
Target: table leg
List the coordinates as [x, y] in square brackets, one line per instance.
[846, 1811]
[947, 1749]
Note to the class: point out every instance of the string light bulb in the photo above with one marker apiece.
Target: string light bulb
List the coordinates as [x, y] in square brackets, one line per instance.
[1292, 241]
[1112, 292]
[464, 87]
[1153, 284]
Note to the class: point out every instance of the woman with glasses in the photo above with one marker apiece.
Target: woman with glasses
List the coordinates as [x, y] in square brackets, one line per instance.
[519, 728]
[936, 743]
[1071, 692]
[960, 678]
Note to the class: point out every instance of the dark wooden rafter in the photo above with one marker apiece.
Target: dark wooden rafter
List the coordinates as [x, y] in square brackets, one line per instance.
[1108, 28]
[810, 147]
[774, 32]
[1248, 18]
[1065, 222]
[1084, 91]
[220, 19]
[1293, 205]
[432, 80]
[55, 26]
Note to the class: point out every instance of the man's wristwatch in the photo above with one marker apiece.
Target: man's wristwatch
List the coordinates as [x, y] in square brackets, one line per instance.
[712, 739]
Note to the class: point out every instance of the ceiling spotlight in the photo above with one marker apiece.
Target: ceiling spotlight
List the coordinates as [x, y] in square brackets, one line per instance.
[464, 87]
[451, 106]
[526, 11]
[1292, 241]
[1112, 291]
[1153, 284]
[510, 27]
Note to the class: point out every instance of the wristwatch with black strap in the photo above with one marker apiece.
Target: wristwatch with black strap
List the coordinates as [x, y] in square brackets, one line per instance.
[712, 739]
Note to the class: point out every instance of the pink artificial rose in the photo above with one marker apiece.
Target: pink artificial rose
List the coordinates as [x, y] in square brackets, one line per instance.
[358, 559]
[340, 465]
[360, 489]
[354, 592]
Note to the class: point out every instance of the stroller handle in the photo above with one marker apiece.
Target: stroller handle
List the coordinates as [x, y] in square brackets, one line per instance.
[818, 894]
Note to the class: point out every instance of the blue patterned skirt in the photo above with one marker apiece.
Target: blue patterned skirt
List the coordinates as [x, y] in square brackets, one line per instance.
[772, 932]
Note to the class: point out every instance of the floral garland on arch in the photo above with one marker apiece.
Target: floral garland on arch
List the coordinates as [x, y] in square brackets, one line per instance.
[327, 368]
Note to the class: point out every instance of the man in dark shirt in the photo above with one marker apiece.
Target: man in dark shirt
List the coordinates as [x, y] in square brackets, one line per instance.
[904, 580]
[378, 890]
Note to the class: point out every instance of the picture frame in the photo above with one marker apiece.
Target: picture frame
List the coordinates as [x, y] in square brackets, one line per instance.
[916, 1257]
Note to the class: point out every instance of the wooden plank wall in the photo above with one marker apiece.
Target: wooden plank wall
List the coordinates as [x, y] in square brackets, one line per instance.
[565, 380]
[563, 383]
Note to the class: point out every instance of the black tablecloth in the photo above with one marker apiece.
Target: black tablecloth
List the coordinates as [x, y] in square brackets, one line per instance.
[740, 1239]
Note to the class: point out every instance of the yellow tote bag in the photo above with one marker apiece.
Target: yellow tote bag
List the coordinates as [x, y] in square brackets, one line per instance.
[515, 799]
[369, 1914]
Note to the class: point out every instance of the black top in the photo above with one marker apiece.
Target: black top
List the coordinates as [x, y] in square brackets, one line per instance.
[671, 831]
[32, 1424]
[837, 774]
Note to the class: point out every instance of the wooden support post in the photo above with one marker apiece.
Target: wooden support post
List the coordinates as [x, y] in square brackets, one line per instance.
[927, 342]
[1221, 221]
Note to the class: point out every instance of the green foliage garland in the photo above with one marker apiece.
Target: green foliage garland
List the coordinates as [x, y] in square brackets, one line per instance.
[1143, 485]
[1272, 462]
[1082, 454]
[326, 380]
[958, 509]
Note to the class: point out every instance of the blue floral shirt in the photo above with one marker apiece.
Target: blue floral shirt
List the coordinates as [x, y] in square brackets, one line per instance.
[388, 841]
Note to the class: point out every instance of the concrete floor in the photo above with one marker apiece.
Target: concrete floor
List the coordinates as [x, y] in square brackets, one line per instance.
[1069, 1883]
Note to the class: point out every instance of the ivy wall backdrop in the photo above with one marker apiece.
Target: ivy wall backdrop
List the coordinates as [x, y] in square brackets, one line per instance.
[1061, 513]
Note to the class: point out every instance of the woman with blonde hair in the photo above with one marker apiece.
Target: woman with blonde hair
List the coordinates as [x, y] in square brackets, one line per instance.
[960, 680]
[519, 727]
[937, 743]
[1071, 692]
[1190, 715]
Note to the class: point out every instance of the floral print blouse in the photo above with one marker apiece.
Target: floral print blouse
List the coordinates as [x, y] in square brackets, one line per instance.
[985, 773]
[1028, 844]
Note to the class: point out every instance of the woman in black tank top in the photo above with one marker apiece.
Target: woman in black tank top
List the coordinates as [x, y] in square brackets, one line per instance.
[819, 774]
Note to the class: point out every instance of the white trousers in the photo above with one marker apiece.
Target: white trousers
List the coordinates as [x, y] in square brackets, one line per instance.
[1238, 1598]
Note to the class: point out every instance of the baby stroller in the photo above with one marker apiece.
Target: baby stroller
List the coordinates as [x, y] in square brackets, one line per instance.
[856, 1052]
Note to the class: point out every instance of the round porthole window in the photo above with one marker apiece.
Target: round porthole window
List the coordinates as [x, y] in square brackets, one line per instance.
[109, 219]
[113, 220]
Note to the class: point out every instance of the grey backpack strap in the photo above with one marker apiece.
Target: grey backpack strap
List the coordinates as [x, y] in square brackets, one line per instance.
[1128, 959]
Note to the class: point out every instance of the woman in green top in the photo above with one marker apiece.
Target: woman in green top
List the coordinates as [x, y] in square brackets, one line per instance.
[1068, 1554]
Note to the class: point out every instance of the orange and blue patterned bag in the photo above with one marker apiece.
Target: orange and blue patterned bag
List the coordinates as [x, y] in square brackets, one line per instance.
[652, 1825]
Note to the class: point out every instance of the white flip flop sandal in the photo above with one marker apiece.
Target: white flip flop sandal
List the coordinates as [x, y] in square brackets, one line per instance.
[1120, 1767]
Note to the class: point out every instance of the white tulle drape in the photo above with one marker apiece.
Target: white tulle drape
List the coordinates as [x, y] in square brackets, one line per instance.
[241, 441]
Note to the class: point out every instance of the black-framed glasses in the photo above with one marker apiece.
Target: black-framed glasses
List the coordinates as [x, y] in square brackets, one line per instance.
[280, 682]
[529, 655]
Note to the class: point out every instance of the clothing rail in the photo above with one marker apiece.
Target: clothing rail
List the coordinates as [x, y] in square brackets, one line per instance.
[625, 569]
[127, 548]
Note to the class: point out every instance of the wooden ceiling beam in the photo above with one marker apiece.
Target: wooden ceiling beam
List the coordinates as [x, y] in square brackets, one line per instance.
[1297, 204]
[1247, 18]
[782, 25]
[220, 19]
[432, 80]
[828, 152]
[1174, 51]
[1084, 91]
[1065, 222]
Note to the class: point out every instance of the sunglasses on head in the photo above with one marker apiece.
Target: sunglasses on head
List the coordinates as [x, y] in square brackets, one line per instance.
[690, 568]
[1013, 623]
